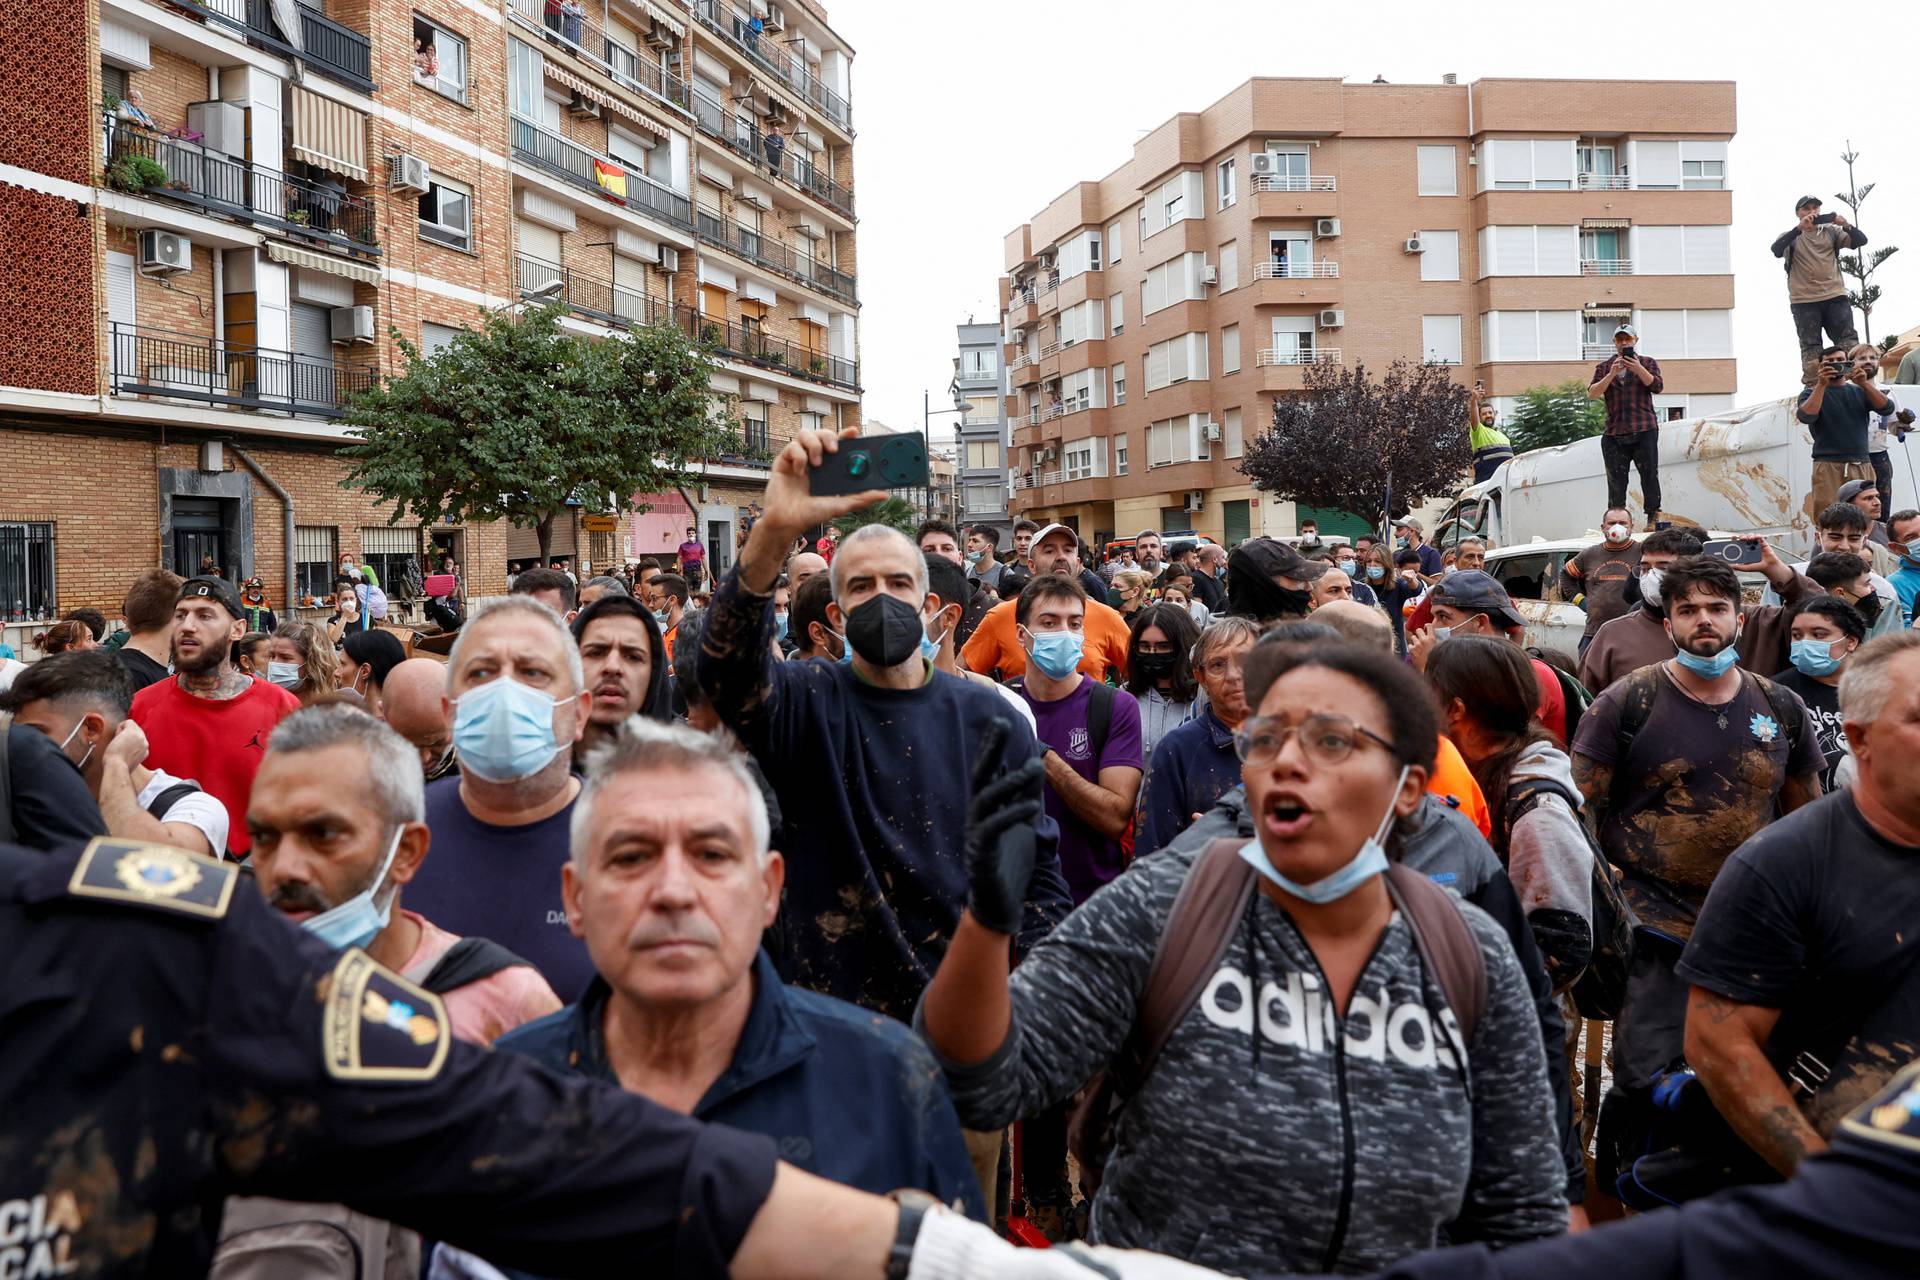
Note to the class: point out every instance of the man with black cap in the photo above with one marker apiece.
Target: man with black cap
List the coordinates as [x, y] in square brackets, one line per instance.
[1810, 250]
[1469, 602]
[210, 722]
[1267, 580]
[1628, 382]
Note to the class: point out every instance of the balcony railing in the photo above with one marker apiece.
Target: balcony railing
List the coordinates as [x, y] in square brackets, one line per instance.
[1294, 182]
[581, 167]
[1596, 350]
[765, 49]
[1297, 355]
[335, 51]
[744, 139]
[1021, 297]
[617, 305]
[1606, 266]
[228, 375]
[1020, 361]
[1603, 182]
[321, 213]
[571, 29]
[1048, 285]
[765, 251]
[1318, 269]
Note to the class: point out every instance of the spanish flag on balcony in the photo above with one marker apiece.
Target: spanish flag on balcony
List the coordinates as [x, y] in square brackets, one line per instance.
[611, 177]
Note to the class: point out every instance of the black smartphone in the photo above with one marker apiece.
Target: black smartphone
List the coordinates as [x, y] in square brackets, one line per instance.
[1824, 219]
[882, 462]
[1733, 551]
[1479, 384]
[1630, 353]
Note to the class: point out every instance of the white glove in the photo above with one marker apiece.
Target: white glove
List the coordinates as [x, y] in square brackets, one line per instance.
[1124, 1264]
[952, 1247]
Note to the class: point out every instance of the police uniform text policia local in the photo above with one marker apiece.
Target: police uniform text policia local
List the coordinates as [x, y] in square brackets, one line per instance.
[169, 1040]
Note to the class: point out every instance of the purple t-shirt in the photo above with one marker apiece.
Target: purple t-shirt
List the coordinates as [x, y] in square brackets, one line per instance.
[1087, 858]
[692, 553]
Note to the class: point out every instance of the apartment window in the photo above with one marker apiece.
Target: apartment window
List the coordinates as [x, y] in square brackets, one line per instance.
[525, 77]
[1079, 457]
[394, 556]
[1223, 177]
[1176, 360]
[1081, 322]
[1119, 384]
[1532, 335]
[1703, 175]
[1441, 261]
[1676, 251]
[446, 213]
[1527, 164]
[1174, 440]
[439, 59]
[1113, 243]
[1229, 266]
[983, 455]
[1438, 174]
[1120, 455]
[975, 364]
[1440, 339]
[1235, 433]
[1175, 280]
[985, 498]
[1530, 251]
[1230, 349]
[434, 337]
[1117, 313]
[26, 571]
[314, 557]
[1685, 335]
[1080, 255]
[1175, 199]
[1086, 389]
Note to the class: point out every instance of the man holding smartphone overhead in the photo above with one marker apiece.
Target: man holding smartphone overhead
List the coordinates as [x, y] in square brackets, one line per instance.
[1628, 382]
[1838, 409]
[1810, 251]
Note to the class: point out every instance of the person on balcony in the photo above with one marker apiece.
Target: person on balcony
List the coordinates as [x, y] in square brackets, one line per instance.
[775, 144]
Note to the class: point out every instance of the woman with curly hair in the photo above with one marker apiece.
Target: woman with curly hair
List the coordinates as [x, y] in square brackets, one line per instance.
[302, 661]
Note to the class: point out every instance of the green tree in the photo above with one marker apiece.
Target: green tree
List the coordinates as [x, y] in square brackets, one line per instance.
[895, 513]
[1861, 266]
[514, 419]
[1555, 415]
[1351, 443]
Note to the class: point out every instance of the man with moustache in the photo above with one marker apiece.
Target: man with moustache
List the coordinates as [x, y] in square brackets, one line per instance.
[624, 665]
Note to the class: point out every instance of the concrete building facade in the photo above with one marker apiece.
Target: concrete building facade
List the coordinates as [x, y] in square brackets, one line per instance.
[980, 384]
[230, 224]
[1503, 227]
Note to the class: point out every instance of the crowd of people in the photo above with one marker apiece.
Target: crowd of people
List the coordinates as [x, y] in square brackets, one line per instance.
[1240, 906]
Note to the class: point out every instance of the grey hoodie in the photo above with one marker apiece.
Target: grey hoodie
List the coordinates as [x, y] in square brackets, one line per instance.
[1551, 865]
[1262, 1140]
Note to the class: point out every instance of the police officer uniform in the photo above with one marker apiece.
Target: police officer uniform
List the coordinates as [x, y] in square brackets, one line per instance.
[169, 1041]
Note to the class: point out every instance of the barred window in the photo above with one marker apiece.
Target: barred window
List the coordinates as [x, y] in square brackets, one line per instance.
[313, 560]
[394, 555]
[26, 572]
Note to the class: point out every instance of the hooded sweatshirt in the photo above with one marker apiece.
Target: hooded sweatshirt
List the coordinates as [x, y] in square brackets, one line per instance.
[1272, 1134]
[1551, 864]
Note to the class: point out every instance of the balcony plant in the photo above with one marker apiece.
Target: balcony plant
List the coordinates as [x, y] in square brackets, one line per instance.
[816, 364]
[135, 174]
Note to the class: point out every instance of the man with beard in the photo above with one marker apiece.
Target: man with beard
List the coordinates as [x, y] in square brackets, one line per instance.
[210, 721]
[994, 647]
[624, 665]
[1729, 751]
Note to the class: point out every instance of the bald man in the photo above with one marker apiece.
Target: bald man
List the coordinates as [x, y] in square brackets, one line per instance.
[416, 709]
[1356, 621]
[804, 566]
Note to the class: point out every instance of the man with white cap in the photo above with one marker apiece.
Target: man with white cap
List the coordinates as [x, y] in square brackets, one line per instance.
[994, 648]
[1628, 382]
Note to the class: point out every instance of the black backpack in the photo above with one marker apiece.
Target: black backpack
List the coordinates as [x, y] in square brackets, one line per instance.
[1601, 988]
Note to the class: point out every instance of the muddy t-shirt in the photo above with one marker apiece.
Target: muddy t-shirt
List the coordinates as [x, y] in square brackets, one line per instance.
[1601, 574]
[1697, 780]
[1815, 917]
[1823, 704]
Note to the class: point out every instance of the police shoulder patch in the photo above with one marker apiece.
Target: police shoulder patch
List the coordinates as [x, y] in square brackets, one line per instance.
[154, 875]
[378, 1026]
[1892, 1116]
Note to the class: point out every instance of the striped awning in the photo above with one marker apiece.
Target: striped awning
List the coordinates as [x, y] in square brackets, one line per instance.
[607, 100]
[1605, 224]
[326, 262]
[330, 134]
[660, 14]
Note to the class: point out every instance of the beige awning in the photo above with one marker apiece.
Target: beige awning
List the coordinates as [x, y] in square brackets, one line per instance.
[326, 262]
[607, 100]
[660, 14]
[330, 134]
[1605, 224]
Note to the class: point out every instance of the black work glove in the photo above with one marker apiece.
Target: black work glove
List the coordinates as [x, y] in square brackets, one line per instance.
[1000, 835]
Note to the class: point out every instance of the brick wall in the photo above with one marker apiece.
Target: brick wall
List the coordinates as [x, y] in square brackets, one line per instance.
[47, 62]
[46, 292]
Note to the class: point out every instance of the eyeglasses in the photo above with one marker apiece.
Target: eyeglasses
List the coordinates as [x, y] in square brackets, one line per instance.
[1324, 740]
[1221, 668]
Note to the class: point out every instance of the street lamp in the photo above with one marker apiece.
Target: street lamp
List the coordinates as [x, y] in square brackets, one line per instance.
[927, 415]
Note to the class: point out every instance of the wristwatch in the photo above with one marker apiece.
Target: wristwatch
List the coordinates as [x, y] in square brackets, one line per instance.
[913, 1207]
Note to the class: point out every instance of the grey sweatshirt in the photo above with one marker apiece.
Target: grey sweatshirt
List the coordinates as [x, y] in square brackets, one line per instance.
[1551, 864]
[1263, 1141]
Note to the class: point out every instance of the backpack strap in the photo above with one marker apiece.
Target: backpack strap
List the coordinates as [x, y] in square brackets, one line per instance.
[7, 830]
[468, 961]
[1447, 946]
[1523, 796]
[1206, 913]
[1786, 707]
[1639, 691]
[1099, 719]
[171, 796]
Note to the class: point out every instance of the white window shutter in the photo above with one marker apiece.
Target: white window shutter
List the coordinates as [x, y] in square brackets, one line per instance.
[1437, 171]
[1513, 251]
[1707, 251]
[1709, 335]
[1441, 261]
[1659, 251]
[1559, 335]
[1663, 334]
[120, 306]
[1440, 339]
[1559, 251]
[1553, 162]
[1658, 165]
[1508, 159]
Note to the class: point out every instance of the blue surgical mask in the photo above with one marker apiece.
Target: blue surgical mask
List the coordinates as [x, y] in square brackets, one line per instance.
[1369, 862]
[1375, 572]
[1814, 657]
[503, 730]
[356, 922]
[1709, 668]
[1346, 566]
[284, 674]
[929, 647]
[846, 650]
[780, 626]
[1441, 633]
[975, 557]
[663, 617]
[1057, 653]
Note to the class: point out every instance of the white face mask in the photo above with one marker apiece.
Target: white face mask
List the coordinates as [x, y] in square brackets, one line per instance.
[1617, 533]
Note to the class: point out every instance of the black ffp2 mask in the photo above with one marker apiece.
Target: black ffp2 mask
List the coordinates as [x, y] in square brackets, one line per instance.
[885, 630]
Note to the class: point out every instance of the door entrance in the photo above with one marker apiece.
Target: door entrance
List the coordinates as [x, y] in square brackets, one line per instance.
[199, 539]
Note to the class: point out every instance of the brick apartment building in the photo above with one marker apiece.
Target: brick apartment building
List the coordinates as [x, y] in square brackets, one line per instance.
[980, 384]
[210, 228]
[1503, 226]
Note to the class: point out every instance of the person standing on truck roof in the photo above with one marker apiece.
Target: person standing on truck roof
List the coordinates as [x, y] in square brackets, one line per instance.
[1628, 382]
[1490, 445]
[1597, 578]
[1810, 251]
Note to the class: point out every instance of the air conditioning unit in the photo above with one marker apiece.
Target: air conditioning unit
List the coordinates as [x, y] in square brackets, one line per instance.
[669, 258]
[581, 107]
[660, 36]
[352, 324]
[1196, 499]
[1209, 274]
[408, 173]
[1414, 244]
[163, 252]
[1326, 228]
[1213, 431]
[1331, 319]
[776, 19]
[1265, 162]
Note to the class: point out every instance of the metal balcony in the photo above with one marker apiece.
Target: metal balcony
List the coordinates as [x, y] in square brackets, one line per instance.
[322, 214]
[1597, 351]
[744, 139]
[335, 51]
[1604, 182]
[765, 49]
[583, 168]
[227, 375]
[1294, 182]
[775, 255]
[580, 36]
[1318, 269]
[1606, 266]
[1297, 355]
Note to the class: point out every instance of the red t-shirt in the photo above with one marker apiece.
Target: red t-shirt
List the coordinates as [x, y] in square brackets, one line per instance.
[217, 744]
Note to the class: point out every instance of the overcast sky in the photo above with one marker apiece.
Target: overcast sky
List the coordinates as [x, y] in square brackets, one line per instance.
[973, 117]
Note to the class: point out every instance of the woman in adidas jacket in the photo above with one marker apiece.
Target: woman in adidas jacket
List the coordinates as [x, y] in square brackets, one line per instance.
[1315, 1109]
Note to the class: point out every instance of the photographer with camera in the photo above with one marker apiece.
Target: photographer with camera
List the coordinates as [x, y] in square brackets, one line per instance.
[1889, 425]
[1628, 382]
[1817, 296]
[1839, 408]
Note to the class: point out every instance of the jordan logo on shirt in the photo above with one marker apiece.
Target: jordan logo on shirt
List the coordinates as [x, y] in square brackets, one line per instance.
[254, 743]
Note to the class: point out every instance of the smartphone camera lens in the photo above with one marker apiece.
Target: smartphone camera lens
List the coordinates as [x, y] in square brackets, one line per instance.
[857, 464]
